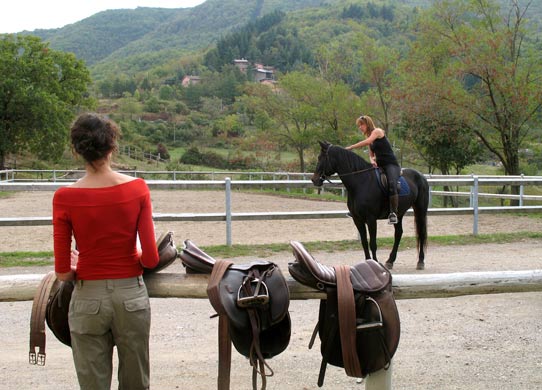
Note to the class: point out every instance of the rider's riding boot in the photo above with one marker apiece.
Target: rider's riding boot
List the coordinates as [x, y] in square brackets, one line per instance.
[394, 205]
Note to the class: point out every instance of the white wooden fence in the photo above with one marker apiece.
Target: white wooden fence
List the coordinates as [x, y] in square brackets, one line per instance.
[472, 182]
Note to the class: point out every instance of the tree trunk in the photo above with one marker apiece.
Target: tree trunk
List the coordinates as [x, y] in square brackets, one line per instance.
[301, 159]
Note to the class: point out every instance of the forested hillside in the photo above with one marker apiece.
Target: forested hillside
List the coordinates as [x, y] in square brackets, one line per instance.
[100, 35]
[130, 41]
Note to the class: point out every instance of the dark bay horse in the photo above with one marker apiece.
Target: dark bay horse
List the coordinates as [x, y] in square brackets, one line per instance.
[367, 201]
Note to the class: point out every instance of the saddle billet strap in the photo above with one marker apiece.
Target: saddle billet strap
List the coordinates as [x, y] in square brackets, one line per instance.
[37, 319]
[257, 361]
[330, 337]
[224, 340]
[347, 321]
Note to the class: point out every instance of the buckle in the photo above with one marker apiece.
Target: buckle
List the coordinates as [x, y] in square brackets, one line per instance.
[39, 359]
[258, 298]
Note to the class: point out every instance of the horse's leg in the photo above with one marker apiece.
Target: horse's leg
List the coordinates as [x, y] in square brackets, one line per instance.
[397, 239]
[360, 225]
[371, 224]
[421, 257]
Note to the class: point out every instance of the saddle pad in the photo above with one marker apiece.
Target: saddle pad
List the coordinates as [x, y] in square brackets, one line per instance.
[404, 189]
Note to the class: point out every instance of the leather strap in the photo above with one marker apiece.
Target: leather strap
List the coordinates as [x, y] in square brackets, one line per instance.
[37, 319]
[347, 321]
[224, 353]
[224, 340]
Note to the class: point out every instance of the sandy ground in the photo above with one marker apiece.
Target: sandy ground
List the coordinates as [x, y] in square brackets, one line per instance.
[471, 342]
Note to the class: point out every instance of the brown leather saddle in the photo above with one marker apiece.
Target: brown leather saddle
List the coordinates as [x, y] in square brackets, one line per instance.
[52, 300]
[252, 302]
[358, 323]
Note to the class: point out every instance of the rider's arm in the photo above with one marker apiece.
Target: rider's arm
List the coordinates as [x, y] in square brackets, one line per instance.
[369, 140]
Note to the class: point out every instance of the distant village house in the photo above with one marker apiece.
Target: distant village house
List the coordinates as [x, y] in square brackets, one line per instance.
[190, 80]
[259, 72]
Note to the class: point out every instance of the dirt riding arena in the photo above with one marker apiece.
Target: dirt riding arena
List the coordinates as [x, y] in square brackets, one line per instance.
[472, 342]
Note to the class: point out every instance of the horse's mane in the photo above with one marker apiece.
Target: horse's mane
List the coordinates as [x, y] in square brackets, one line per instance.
[348, 159]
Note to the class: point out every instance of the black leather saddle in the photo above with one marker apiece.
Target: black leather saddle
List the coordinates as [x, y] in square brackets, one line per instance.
[358, 322]
[252, 303]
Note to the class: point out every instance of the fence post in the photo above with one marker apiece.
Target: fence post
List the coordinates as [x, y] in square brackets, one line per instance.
[380, 380]
[475, 205]
[228, 211]
[521, 191]
[288, 179]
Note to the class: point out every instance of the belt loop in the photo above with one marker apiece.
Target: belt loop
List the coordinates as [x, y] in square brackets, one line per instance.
[140, 280]
[79, 283]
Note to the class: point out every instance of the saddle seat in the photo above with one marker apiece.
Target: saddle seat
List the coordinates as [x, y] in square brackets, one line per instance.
[197, 261]
[368, 276]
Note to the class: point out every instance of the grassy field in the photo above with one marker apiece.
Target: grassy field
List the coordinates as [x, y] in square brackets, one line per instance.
[31, 259]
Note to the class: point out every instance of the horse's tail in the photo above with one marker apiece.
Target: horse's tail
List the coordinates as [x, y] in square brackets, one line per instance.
[420, 207]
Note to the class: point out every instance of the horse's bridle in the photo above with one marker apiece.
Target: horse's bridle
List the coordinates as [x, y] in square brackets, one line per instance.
[324, 177]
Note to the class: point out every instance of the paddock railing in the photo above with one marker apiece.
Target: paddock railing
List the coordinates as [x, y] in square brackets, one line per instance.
[472, 182]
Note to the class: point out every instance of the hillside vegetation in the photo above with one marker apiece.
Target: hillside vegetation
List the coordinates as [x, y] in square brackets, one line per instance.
[332, 59]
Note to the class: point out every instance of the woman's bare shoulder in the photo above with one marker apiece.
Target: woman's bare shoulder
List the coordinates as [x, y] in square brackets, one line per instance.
[380, 133]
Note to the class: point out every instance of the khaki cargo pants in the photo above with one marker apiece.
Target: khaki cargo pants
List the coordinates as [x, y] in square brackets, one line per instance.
[105, 313]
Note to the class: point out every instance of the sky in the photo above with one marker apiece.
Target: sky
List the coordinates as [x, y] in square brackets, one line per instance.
[19, 15]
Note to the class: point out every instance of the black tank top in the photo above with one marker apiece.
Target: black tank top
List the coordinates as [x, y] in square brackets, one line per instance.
[381, 147]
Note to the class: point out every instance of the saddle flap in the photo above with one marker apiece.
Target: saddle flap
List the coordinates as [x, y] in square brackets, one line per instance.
[310, 272]
[56, 314]
[272, 296]
[369, 276]
[195, 260]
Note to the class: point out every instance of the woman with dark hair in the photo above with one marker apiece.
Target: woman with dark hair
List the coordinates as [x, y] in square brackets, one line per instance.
[381, 154]
[105, 211]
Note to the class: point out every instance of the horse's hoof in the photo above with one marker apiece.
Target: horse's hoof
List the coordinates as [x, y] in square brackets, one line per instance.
[420, 266]
[389, 265]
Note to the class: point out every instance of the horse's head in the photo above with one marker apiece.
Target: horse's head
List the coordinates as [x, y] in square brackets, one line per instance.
[323, 167]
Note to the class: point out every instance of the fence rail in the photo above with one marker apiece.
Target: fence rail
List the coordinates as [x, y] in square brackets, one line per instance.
[474, 182]
[405, 286]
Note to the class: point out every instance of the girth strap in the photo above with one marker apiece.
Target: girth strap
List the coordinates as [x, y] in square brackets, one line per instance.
[224, 340]
[37, 319]
[347, 321]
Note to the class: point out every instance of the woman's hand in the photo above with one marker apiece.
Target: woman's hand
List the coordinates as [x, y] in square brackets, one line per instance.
[74, 258]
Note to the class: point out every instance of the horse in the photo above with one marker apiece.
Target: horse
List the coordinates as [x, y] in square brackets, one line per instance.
[368, 201]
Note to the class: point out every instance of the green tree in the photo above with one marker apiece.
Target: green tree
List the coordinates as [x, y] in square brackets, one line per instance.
[338, 105]
[290, 106]
[40, 91]
[490, 71]
[378, 71]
